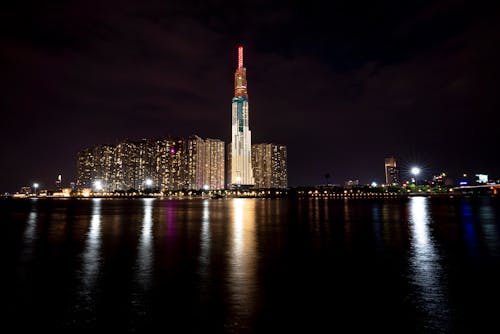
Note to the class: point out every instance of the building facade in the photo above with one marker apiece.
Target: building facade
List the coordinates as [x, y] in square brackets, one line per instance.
[205, 163]
[391, 171]
[84, 168]
[213, 164]
[241, 174]
[269, 163]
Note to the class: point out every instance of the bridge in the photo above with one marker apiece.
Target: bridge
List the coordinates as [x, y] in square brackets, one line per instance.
[493, 189]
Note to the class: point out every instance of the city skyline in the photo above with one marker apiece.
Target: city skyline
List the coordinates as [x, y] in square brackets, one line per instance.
[194, 163]
[341, 88]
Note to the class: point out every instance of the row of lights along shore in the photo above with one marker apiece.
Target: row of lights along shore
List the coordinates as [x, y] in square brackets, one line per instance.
[98, 190]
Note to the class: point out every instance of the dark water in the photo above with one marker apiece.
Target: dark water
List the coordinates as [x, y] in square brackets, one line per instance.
[415, 265]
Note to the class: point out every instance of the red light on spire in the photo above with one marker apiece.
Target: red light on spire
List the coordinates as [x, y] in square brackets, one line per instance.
[240, 56]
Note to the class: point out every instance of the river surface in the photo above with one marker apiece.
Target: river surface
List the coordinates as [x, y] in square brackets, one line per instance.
[416, 265]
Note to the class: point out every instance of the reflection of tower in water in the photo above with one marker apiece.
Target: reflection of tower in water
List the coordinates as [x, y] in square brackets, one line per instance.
[242, 280]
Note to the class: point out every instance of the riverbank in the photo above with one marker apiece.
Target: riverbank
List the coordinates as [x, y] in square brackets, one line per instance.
[313, 195]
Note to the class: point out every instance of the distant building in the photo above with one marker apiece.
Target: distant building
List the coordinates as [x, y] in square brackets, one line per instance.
[481, 178]
[391, 171]
[25, 190]
[59, 182]
[350, 183]
[465, 179]
[442, 180]
[269, 162]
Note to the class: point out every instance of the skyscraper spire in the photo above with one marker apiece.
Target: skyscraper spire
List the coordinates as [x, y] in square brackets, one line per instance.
[241, 174]
[240, 76]
[240, 56]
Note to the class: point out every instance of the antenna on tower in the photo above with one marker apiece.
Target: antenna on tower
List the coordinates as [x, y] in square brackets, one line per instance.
[240, 56]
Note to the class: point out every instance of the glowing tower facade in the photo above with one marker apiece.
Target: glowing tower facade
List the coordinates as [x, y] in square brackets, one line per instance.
[240, 158]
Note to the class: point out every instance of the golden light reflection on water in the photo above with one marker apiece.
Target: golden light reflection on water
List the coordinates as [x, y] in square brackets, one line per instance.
[242, 278]
[426, 273]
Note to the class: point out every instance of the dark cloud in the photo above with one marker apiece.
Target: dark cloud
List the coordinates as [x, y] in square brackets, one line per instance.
[342, 83]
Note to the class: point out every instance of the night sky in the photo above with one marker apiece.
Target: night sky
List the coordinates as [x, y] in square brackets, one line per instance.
[343, 84]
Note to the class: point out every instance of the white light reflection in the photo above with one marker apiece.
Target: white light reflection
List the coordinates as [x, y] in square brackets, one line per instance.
[242, 264]
[377, 226]
[426, 273]
[205, 239]
[488, 221]
[91, 254]
[204, 257]
[29, 238]
[29, 233]
[145, 252]
[143, 268]
[347, 224]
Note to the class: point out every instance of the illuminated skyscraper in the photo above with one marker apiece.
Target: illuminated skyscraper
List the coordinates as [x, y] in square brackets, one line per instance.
[391, 171]
[241, 174]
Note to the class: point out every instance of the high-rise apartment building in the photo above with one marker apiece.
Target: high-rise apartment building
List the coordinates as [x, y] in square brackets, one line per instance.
[241, 174]
[170, 164]
[211, 164]
[269, 163]
[85, 167]
[194, 177]
[146, 163]
[104, 165]
[205, 163]
[391, 171]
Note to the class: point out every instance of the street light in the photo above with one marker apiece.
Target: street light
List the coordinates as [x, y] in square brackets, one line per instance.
[415, 171]
[98, 185]
[35, 186]
[149, 184]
